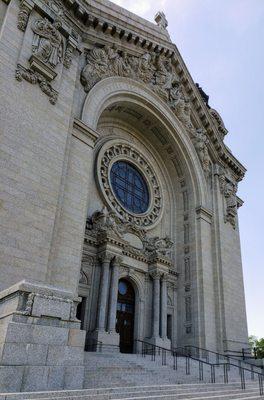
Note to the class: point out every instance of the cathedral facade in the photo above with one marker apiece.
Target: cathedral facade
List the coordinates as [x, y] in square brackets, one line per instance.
[119, 206]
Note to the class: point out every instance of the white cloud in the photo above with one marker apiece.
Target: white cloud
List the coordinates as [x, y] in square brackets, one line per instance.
[141, 7]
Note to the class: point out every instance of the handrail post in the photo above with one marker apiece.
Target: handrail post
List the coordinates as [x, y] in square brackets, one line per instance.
[260, 377]
[187, 365]
[175, 361]
[252, 373]
[200, 371]
[212, 373]
[242, 378]
[225, 373]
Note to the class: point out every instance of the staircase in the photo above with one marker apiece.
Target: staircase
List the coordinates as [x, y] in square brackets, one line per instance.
[130, 376]
[155, 392]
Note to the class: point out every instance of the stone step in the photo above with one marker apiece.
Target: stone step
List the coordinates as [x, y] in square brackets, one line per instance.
[167, 392]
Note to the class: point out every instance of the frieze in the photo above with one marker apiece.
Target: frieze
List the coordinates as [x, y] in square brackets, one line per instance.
[154, 70]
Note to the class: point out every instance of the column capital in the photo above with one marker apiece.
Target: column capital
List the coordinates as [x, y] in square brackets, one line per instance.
[105, 257]
[155, 275]
[165, 277]
[116, 261]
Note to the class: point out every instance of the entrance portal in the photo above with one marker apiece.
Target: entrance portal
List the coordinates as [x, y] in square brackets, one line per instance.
[125, 315]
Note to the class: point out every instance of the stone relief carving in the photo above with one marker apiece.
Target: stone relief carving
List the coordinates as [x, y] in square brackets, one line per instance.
[34, 78]
[47, 52]
[161, 246]
[231, 203]
[157, 71]
[106, 157]
[200, 142]
[47, 41]
[105, 221]
[229, 190]
[23, 15]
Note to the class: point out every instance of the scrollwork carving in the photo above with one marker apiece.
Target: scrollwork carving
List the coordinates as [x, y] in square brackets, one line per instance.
[23, 15]
[34, 78]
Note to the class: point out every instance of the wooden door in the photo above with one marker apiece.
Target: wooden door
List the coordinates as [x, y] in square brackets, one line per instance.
[125, 315]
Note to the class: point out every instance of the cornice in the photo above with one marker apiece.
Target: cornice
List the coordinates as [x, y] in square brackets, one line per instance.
[84, 132]
[104, 21]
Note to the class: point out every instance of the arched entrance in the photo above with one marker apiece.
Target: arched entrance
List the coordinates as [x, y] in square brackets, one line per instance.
[125, 315]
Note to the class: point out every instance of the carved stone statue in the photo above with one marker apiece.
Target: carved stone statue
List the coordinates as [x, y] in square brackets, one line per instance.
[161, 246]
[200, 142]
[97, 67]
[231, 202]
[47, 41]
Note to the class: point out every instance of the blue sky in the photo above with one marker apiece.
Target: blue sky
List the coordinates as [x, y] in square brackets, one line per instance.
[221, 42]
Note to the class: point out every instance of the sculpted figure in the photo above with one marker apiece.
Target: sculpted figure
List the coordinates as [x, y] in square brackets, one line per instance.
[231, 202]
[200, 143]
[47, 41]
[161, 246]
[96, 68]
[146, 68]
[118, 64]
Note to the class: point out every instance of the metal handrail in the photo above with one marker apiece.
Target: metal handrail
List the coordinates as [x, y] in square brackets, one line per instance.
[218, 355]
[226, 366]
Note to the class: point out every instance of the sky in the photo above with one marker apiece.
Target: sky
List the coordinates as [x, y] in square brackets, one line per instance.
[221, 42]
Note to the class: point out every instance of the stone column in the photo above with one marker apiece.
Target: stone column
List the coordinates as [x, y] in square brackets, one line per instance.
[156, 305]
[105, 260]
[164, 307]
[113, 295]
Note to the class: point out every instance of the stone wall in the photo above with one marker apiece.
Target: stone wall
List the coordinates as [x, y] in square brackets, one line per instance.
[111, 77]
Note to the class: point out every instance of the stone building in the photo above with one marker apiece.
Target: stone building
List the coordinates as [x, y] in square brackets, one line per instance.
[118, 203]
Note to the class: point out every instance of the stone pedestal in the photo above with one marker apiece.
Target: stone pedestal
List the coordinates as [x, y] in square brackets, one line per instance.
[41, 344]
[107, 342]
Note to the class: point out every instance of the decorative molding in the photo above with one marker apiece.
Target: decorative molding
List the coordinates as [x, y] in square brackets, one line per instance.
[68, 56]
[122, 150]
[35, 78]
[108, 226]
[138, 40]
[200, 141]
[47, 53]
[26, 6]
[228, 187]
[155, 70]
[84, 133]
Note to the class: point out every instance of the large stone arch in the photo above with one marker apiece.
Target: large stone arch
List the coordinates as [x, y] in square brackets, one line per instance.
[117, 89]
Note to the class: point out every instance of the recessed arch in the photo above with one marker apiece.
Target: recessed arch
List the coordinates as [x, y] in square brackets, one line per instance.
[118, 89]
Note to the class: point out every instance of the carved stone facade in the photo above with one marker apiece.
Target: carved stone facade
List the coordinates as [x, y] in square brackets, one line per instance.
[115, 176]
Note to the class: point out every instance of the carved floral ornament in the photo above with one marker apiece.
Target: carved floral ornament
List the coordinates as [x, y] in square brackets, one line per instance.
[107, 156]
